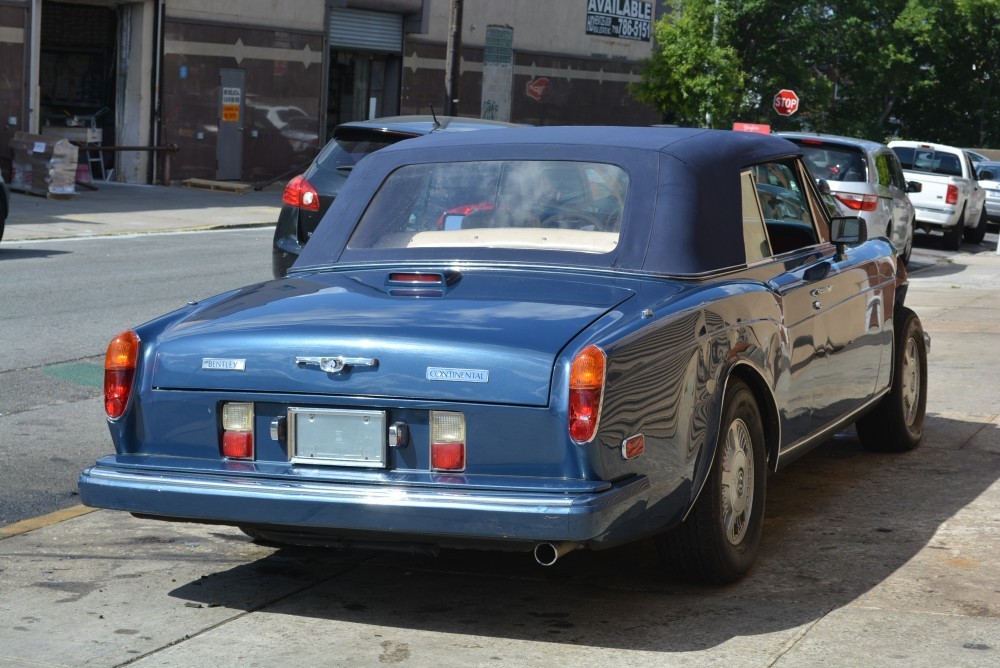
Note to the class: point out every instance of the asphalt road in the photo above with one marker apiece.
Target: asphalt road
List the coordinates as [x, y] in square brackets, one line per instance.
[63, 301]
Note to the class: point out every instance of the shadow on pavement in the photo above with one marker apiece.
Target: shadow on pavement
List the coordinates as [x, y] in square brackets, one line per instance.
[8, 253]
[840, 521]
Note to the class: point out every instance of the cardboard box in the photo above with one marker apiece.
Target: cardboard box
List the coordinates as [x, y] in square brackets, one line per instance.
[43, 165]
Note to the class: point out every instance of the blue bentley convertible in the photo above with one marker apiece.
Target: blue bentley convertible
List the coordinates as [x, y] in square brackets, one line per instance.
[540, 340]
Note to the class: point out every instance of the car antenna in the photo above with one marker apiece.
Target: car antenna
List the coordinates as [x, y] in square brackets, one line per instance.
[437, 124]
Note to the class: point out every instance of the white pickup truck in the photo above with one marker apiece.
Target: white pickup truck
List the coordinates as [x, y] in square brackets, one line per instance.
[950, 198]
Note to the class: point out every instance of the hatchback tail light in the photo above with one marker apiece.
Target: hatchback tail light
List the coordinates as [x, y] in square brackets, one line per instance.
[586, 391]
[952, 196]
[237, 430]
[119, 373]
[858, 202]
[447, 441]
[300, 193]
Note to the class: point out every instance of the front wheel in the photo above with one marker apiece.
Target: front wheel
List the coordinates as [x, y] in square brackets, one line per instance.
[717, 543]
[975, 235]
[897, 422]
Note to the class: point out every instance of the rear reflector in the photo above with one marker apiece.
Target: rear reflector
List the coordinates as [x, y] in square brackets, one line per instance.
[447, 441]
[633, 446]
[119, 373]
[237, 435]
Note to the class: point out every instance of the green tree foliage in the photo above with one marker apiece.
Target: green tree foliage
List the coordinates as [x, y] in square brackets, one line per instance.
[916, 68]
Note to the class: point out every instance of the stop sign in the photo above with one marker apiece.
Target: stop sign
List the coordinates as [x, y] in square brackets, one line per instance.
[786, 102]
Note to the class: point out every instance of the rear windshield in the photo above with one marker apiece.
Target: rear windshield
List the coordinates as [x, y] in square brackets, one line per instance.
[525, 204]
[348, 147]
[835, 163]
[928, 160]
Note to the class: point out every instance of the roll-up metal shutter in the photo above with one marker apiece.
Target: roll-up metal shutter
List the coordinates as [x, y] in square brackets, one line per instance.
[365, 30]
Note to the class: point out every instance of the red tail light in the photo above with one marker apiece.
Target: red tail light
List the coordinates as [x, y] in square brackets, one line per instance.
[237, 430]
[447, 441]
[119, 373]
[586, 390]
[952, 196]
[858, 202]
[300, 193]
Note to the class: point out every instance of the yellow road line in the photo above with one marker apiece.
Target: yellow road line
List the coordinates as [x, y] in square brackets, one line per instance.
[44, 521]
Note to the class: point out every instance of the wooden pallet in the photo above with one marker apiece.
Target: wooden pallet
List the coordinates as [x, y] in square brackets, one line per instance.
[223, 186]
[41, 193]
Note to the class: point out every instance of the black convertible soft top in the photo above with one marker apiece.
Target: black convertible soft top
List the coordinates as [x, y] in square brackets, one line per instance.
[683, 212]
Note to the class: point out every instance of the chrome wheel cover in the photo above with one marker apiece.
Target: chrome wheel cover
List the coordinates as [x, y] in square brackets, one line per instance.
[909, 379]
[737, 481]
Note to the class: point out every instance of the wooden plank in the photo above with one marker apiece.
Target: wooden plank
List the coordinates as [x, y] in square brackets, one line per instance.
[223, 186]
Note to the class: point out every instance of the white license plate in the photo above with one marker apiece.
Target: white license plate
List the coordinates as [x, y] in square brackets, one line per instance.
[337, 437]
[993, 194]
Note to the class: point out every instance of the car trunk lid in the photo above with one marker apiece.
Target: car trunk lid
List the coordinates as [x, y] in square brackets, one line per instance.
[488, 336]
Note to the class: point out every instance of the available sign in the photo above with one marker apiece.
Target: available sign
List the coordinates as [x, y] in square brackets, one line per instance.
[786, 102]
[625, 19]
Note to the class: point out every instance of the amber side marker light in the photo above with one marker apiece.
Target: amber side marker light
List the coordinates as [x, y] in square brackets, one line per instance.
[586, 390]
[119, 372]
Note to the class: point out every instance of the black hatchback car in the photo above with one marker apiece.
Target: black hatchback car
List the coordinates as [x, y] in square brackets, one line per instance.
[309, 195]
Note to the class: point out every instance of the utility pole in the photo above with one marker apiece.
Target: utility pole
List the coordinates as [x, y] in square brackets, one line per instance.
[453, 59]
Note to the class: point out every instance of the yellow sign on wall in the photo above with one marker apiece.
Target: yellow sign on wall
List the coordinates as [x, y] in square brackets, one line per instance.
[231, 99]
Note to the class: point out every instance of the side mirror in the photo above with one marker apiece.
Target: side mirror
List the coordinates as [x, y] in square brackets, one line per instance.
[986, 175]
[914, 186]
[847, 231]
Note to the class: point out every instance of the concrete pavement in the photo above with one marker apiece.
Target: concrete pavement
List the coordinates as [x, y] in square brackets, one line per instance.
[867, 560]
[117, 208]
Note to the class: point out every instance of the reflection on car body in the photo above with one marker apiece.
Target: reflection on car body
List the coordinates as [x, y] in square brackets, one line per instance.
[538, 340]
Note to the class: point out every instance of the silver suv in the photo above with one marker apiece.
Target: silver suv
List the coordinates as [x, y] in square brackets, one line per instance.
[866, 178]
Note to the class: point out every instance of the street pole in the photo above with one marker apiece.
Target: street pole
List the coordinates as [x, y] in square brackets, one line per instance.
[453, 59]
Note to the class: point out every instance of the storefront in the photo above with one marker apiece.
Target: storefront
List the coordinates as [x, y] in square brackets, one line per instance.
[250, 90]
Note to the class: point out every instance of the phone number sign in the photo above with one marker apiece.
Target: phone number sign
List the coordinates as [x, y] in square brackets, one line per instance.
[625, 19]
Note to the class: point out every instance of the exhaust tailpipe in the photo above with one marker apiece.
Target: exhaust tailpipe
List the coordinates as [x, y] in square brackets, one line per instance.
[548, 554]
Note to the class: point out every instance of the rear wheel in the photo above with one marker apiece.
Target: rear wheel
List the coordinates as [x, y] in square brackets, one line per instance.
[953, 235]
[908, 250]
[717, 543]
[897, 422]
[975, 235]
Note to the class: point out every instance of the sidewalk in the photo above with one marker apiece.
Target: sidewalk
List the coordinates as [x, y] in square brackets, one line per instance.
[117, 208]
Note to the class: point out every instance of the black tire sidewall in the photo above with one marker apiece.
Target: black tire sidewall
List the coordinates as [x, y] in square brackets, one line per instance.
[911, 330]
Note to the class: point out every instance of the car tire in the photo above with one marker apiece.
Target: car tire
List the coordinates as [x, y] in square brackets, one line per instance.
[975, 235]
[896, 424]
[3, 216]
[717, 543]
[953, 235]
[908, 250]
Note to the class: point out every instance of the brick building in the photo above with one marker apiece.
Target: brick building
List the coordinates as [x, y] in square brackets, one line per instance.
[248, 89]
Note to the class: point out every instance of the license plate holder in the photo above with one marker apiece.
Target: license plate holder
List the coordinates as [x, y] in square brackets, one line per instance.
[337, 437]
